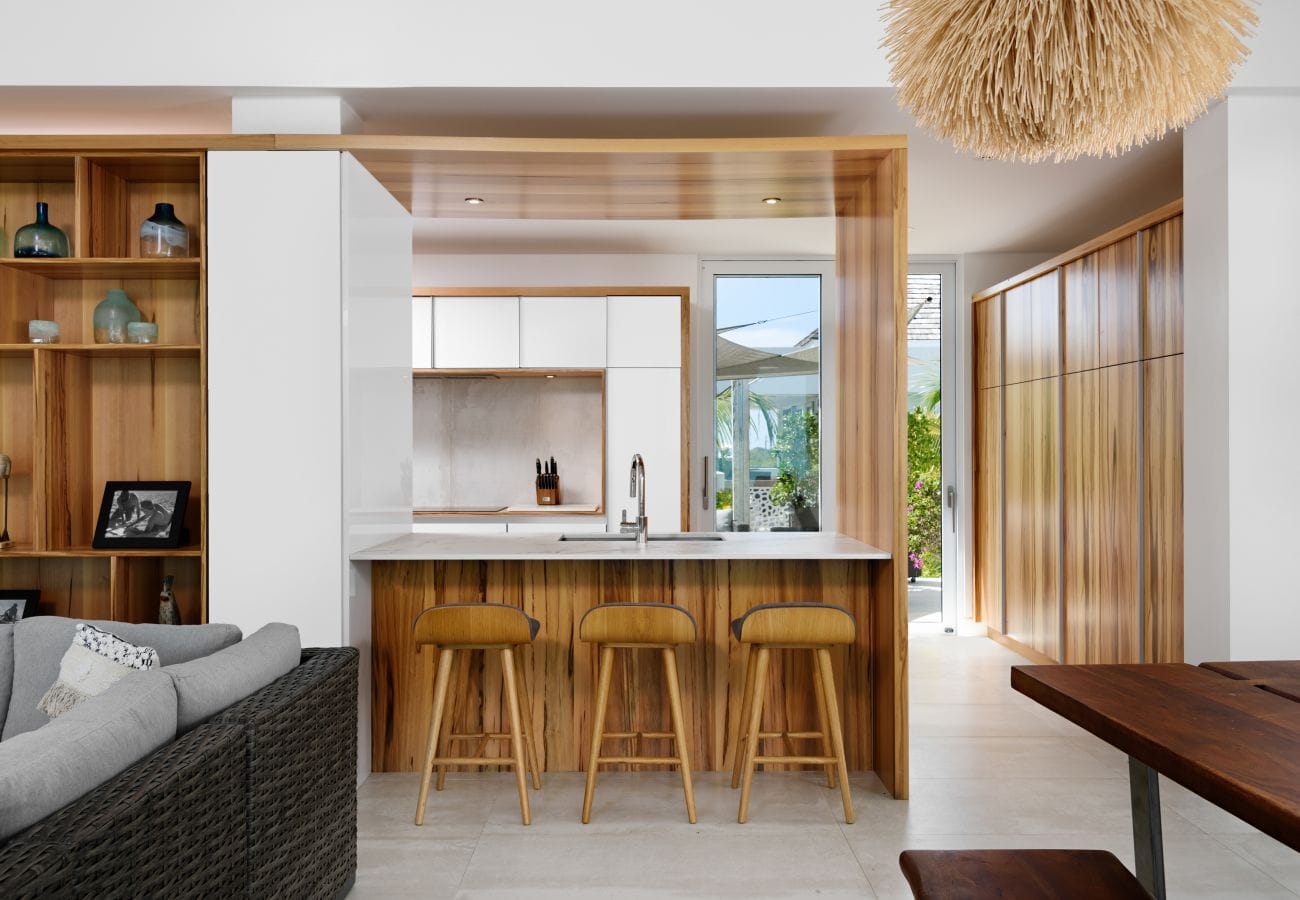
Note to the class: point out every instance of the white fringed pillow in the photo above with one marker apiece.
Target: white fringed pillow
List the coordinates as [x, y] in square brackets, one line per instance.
[95, 662]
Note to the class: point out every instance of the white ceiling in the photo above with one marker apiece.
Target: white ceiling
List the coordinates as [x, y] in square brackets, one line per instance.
[957, 203]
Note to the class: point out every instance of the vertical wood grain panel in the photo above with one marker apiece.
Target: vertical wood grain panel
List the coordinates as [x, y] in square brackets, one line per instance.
[987, 317]
[1162, 520]
[1080, 314]
[1033, 514]
[1119, 307]
[988, 507]
[1163, 304]
[17, 439]
[1100, 507]
[1032, 334]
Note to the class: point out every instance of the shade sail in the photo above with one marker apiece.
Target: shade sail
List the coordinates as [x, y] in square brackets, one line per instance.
[735, 361]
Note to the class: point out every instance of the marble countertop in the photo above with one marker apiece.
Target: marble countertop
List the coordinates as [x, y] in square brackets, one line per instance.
[748, 545]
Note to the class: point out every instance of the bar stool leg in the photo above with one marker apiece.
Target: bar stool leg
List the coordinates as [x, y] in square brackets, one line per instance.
[679, 729]
[821, 723]
[742, 723]
[755, 723]
[597, 728]
[837, 734]
[448, 716]
[530, 728]
[516, 730]
[435, 725]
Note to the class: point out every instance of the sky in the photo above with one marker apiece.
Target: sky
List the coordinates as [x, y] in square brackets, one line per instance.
[752, 298]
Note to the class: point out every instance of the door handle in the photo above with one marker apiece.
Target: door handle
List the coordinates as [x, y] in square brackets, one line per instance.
[704, 485]
[952, 507]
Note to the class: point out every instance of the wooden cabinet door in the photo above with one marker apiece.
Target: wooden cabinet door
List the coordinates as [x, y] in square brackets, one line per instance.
[1032, 335]
[987, 316]
[1119, 314]
[1100, 516]
[1163, 304]
[1162, 508]
[1079, 315]
[1033, 514]
[988, 507]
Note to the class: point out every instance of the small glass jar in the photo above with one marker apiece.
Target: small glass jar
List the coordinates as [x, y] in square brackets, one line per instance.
[43, 331]
[40, 239]
[163, 235]
[141, 333]
[112, 316]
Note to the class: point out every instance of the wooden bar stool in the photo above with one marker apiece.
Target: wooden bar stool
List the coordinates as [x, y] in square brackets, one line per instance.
[800, 626]
[455, 627]
[634, 626]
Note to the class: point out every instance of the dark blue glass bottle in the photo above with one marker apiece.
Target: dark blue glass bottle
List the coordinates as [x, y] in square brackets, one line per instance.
[40, 238]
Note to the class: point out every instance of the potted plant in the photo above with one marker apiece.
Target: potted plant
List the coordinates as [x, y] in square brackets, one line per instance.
[915, 562]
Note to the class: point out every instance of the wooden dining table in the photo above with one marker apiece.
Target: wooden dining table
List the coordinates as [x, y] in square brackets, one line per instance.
[1228, 731]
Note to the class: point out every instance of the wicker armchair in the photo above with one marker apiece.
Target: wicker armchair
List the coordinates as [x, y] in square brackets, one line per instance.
[259, 801]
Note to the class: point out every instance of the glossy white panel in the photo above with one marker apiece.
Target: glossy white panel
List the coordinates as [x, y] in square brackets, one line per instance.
[476, 332]
[562, 332]
[275, 430]
[643, 415]
[422, 333]
[459, 528]
[644, 332]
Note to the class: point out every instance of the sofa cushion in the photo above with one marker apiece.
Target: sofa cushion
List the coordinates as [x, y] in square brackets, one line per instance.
[46, 769]
[206, 686]
[6, 667]
[40, 642]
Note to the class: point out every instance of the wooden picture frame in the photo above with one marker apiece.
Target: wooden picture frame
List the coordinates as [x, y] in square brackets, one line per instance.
[132, 513]
[18, 603]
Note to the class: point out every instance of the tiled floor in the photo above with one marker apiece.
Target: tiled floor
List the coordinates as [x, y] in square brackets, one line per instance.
[989, 769]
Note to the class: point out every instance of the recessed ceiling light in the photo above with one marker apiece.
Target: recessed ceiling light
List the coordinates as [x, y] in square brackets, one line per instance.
[771, 201]
[474, 201]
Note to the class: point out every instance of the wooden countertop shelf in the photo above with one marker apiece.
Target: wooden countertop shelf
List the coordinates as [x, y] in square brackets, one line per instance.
[105, 349]
[25, 551]
[95, 269]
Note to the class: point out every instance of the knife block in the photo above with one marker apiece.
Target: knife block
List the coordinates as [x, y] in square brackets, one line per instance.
[549, 496]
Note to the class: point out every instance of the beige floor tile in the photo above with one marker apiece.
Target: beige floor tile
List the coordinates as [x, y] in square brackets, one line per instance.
[1271, 857]
[418, 867]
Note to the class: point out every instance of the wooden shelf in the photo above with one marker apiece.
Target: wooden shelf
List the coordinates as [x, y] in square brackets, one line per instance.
[511, 512]
[105, 349]
[26, 551]
[98, 269]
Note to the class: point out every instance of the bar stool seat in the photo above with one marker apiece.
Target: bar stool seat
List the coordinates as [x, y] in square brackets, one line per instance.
[661, 626]
[458, 627]
[800, 626]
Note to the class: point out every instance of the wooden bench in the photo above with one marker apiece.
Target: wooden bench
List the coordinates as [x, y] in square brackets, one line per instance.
[1018, 875]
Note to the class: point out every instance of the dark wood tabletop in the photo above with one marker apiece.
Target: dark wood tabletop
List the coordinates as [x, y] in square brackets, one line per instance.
[1220, 734]
[1281, 676]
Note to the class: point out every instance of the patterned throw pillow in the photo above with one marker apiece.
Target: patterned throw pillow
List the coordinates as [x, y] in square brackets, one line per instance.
[94, 663]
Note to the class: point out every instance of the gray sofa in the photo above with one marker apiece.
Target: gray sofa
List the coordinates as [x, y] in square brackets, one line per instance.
[173, 780]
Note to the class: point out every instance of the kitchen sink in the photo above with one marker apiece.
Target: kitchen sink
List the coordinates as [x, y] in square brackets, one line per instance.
[673, 536]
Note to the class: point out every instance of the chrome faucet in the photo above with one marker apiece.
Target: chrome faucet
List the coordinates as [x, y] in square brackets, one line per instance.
[637, 489]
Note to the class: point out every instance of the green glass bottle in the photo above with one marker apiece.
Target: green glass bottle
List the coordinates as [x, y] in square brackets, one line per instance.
[112, 315]
[40, 239]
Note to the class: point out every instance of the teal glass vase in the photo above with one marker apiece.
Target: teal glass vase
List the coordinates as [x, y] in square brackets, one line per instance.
[40, 239]
[164, 235]
[112, 315]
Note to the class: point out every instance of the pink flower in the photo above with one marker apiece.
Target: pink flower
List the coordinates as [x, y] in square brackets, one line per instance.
[919, 485]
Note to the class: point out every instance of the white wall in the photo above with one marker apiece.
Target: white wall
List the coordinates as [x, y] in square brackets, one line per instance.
[411, 43]
[1242, 331]
[542, 270]
[983, 270]
[275, 428]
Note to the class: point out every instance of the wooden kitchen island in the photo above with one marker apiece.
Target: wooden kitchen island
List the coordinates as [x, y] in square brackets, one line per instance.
[557, 581]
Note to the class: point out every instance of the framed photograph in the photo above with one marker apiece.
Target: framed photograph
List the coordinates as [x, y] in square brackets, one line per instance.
[18, 604]
[139, 515]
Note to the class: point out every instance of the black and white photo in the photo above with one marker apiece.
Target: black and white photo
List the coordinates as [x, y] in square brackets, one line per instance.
[138, 514]
[18, 604]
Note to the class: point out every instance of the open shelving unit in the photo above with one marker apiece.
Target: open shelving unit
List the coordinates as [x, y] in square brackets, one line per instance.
[76, 414]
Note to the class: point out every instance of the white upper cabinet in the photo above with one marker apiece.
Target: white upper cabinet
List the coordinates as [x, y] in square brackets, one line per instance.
[562, 332]
[644, 332]
[476, 332]
[422, 333]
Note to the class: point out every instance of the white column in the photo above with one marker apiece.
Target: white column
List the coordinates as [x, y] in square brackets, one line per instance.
[1242, 336]
[312, 114]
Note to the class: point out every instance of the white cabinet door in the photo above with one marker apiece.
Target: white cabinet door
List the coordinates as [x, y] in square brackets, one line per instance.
[562, 332]
[476, 332]
[644, 332]
[643, 415]
[422, 333]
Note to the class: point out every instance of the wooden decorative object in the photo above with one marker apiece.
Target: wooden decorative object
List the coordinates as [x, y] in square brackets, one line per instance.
[1033, 79]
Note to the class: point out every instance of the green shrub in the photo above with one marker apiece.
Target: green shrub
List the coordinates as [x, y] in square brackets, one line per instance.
[925, 491]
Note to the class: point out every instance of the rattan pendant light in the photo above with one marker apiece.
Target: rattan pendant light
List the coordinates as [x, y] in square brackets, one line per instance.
[1033, 79]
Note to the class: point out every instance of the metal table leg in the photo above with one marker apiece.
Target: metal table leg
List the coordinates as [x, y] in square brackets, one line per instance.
[1148, 841]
